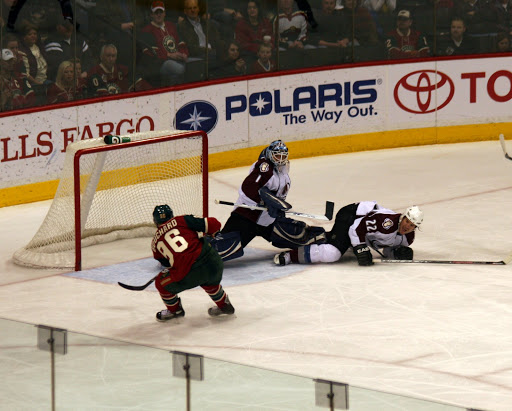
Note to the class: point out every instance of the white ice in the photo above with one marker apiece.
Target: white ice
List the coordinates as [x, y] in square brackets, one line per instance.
[437, 332]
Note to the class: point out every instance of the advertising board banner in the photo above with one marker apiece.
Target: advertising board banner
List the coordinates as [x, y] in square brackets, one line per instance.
[353, 101]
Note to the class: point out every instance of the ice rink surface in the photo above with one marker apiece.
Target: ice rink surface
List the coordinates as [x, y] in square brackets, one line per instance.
[437, 332]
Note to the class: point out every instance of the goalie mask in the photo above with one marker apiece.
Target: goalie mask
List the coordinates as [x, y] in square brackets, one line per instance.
[161, 214]
[277, 153]
[414, 215]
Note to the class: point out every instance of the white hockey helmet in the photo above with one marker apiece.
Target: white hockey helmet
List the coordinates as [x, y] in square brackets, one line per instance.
[414, 215]
[277, 153]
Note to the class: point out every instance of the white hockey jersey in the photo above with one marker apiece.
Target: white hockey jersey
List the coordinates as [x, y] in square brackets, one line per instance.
[377, 227]
[262, 174]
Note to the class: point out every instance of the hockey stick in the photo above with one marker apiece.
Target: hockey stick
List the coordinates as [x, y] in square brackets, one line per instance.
[137, 287]
[442, 262]
[329, 210]
[504, 147]
[389, 261]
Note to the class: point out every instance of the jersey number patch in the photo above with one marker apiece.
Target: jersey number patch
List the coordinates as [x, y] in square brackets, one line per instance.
[175, 241]
[371, 225]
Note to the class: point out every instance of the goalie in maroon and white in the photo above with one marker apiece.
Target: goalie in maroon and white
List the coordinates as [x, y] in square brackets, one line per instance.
[267, 185]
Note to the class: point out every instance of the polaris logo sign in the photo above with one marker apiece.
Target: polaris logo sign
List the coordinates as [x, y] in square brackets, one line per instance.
[196, 115]
[309, 103]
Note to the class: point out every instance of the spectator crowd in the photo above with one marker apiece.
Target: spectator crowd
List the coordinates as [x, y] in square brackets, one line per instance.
[53, 53]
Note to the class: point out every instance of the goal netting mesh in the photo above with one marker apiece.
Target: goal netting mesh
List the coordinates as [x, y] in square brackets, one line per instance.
[108, 192]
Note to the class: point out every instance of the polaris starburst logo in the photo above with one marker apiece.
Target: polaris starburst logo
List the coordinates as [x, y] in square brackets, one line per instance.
[424, 91]
[196, 115]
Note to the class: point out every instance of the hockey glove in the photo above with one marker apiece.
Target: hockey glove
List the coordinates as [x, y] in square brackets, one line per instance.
[276, 207]
[403, 253]
[363, 254]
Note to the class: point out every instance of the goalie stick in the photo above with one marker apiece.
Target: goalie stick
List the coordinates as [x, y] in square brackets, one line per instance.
[137, 287]
[329, 210]
[504, 147]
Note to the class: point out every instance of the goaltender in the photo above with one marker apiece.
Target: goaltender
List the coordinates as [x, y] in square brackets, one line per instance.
[266, 185]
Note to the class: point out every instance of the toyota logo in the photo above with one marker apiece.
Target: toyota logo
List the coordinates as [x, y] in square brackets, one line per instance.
[424, 91]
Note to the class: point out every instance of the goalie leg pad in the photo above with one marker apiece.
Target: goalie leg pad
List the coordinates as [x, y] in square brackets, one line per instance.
[228, 245]
[288, 233]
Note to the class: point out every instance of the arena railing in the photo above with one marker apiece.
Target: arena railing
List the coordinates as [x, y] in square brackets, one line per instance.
[43, 367]
[365, 36]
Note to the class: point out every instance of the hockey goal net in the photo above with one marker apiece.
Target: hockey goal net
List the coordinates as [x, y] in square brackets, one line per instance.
[108, 192]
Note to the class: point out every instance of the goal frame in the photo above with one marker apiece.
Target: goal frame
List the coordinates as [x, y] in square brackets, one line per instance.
[120, 146]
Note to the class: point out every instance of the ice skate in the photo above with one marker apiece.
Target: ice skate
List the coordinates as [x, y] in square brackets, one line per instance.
[228, 309]
[166, 315]
[283, 258]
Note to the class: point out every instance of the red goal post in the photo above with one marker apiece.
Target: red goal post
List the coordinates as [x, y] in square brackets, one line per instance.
[108, 192]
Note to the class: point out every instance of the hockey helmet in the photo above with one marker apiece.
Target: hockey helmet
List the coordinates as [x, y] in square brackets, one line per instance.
[277, 153]
[414, 215]
[161, 214]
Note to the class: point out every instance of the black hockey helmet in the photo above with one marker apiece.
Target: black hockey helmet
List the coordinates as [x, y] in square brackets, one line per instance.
[161, 214]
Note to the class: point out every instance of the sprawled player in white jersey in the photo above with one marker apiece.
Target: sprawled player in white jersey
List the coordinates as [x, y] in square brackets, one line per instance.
[266, 185]
[362, 226]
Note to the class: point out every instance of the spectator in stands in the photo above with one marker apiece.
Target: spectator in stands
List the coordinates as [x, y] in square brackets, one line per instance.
[193, 30]
[476, 15]
[40, 14]
[380, 6]
[11, 42]
[15, 6]
[109, 77]
[253, 30]
[264, 64]
[225, 15]
[78, 71]
[503, 42]
[358, 20]
[502, 15]
[233, 64]
[291, 26]
[61, 47]
[305, 7]
[68, 85]
[115, 24]
[164, 48]
[330, 32]
[457, 43]
[404, 42]
[15, 90]
[34, 59]
[382, 13]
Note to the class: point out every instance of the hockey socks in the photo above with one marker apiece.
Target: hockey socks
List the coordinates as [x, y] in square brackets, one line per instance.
[216, 293]
[171, 301]
[220, 298]
[301, 255]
